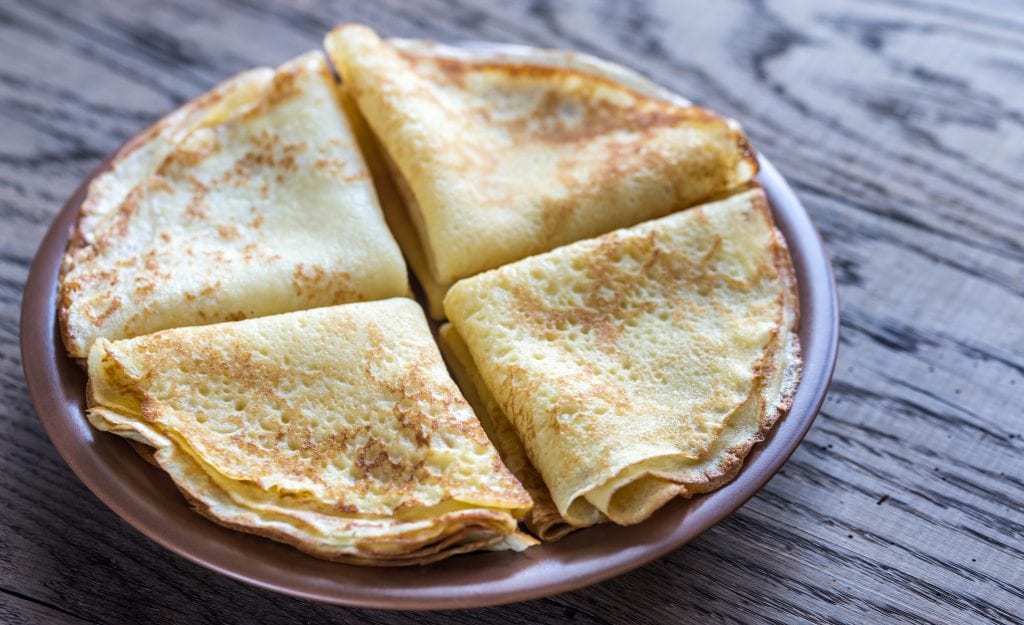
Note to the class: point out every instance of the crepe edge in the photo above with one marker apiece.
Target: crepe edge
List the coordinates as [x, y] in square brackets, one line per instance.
[544, 520]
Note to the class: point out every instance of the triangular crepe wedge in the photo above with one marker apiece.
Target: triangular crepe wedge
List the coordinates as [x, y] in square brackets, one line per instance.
[261, 209]
[643, 364]
[337, 430]
[501, 157]
[543, 520]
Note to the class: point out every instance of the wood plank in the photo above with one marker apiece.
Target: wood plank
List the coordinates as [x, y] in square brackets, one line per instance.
[16, 609]
[902, 128]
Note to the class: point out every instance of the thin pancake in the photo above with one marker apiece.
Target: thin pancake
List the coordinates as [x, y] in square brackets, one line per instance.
[643, 364]
[503, 158]
[268, 210]
[336, 430]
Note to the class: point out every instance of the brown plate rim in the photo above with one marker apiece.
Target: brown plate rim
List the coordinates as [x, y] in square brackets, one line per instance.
[145, 497]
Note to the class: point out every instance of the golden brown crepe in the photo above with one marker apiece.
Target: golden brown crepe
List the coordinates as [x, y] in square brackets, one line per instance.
[254, 200]
[644, 364]
[499, 156]
[336, 430]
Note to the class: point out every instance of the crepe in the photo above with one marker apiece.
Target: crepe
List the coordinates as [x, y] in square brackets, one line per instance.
[261, 203]
[506, 154]
[544, 521]
[336, 430]
[644, 364]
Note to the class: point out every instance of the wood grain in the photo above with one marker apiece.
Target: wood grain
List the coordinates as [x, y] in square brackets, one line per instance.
[901, 125]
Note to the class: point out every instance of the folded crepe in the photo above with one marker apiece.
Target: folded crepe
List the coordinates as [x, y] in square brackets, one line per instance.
[644, 364]
[508, 153]
[337, 430]
[254, 200]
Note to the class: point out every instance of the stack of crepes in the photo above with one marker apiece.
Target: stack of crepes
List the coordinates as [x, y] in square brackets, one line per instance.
[337, 430]
[617, 373]
[608, 374]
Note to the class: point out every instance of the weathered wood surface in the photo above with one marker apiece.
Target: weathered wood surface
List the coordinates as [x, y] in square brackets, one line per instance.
[901, 125]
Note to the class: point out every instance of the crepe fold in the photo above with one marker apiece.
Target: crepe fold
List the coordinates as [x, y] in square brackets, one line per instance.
[500, 155]
[252, 200]
[641, 365]
[336, 430]
[543, 520]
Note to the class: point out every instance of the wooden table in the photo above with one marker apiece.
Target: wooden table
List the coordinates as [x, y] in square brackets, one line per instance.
[900, 124]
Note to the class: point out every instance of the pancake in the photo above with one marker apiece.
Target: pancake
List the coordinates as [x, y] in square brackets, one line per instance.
[543, 520]
[642, 365]
[502, 155]
[337, 430]
[262, 205]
